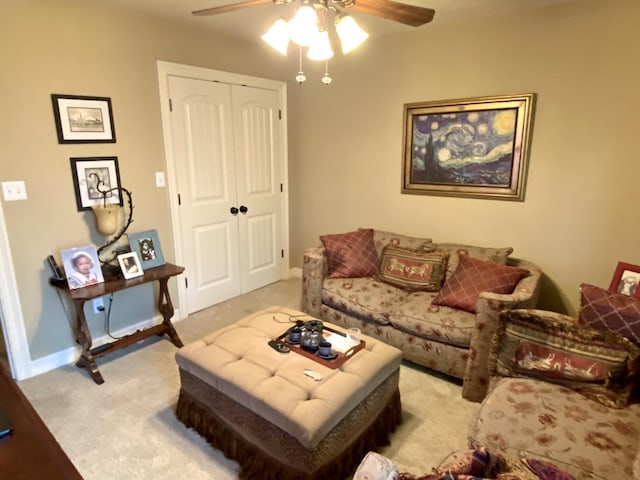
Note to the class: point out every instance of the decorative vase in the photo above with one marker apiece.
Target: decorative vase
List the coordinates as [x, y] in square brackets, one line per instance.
[107, 218]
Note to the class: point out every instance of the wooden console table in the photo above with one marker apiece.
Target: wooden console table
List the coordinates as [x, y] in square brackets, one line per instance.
[79, 296]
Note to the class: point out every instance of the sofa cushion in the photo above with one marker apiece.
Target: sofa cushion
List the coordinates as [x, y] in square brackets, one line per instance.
[536, 419]
[489, 254]
[472, 277]
[381, 239]
[605, 310]
[365, 297]
[415, 315]
[350, 254]
[601, 365]
[412, 269]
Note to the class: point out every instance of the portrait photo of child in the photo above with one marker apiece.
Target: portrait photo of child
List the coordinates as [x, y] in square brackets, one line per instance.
[82, 266]
[130, 265]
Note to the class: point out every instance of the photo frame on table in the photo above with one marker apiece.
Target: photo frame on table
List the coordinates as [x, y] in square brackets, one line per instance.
[81, 266]
[88, 173]
[130, 265]
[626, 280]
[82, 119]
[470, 147]
[147, 245]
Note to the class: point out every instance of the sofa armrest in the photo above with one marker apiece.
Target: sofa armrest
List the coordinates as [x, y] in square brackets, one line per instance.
[525, 295]
[314, 270]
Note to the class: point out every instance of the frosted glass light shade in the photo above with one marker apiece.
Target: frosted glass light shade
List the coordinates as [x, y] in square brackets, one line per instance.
[320, 48]
[303, 27]
[278, 36]
[350, 33]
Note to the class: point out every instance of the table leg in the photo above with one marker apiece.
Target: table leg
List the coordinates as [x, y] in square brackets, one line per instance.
[166, 309]
[83, 337]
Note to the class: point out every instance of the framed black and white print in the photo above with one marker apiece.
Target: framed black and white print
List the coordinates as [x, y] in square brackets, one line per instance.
[81, 119]
[91, 173]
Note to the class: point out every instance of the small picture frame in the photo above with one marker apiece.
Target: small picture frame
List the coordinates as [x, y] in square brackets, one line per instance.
[147, 245]
[130, 265]
[82, 119]
[626, 280]
[81, 266]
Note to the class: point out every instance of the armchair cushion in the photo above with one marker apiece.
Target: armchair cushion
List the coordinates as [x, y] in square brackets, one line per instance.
[472, 277]
[605, 310]
[351, 254]
[601, 365]
[413, 269]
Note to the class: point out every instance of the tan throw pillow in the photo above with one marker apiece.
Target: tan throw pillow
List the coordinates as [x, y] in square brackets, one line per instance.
[382, 238]
[413, 269]
[601, 365]
[497, 255]
[472, 277]
[351, 254]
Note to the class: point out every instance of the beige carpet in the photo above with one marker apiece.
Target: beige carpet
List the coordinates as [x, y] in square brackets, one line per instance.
[126, 428]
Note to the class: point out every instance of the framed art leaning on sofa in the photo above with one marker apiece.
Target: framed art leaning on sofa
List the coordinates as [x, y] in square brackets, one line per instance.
[471, 147]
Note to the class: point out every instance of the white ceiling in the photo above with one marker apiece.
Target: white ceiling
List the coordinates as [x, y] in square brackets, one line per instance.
[252, 22]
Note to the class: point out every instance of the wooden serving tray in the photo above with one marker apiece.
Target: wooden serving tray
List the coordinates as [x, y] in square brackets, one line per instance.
[330, 363]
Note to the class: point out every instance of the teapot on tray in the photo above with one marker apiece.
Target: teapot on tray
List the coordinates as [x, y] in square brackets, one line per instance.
[311, 335]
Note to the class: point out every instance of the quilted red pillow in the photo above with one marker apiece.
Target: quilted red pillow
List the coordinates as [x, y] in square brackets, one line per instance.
[605, 310]
[351, 255]
[473, 276]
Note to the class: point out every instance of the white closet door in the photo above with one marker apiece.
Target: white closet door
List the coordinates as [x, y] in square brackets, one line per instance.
[202, 126]
[257, 131]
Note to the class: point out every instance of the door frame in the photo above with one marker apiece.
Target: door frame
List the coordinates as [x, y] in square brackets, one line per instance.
[14, 332]
[167, 69]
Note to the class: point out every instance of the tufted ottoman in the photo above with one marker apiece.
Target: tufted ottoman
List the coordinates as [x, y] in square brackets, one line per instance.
[259, 408]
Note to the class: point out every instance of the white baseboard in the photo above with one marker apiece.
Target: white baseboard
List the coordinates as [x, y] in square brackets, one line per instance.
[71, 355]
[295, 272]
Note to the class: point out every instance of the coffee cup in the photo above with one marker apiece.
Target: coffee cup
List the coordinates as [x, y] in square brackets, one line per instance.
[324, 349]
[294, 334]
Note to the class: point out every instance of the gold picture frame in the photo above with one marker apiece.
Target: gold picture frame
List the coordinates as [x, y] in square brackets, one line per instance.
[470, 147]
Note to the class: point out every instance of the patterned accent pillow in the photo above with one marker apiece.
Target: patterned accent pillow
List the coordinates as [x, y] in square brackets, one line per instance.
[472, 277]
[413, 269]
[489, 254]
[351, 254]
[605, 310]
[601, 365]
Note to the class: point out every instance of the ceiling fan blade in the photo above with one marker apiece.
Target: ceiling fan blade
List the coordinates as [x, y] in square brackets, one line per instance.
[398, 12]
[231, 8]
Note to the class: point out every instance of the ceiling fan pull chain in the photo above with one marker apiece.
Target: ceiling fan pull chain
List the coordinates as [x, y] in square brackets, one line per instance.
[301, 77]
[326, 78]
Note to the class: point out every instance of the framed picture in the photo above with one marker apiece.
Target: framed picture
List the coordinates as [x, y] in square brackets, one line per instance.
[130, 265]
[147, 246]
[90, 175]
[471, 147]
[83, 119]
[81, 266]
[626, 280]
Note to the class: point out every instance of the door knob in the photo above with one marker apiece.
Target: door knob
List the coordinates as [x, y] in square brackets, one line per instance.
[234, 211]
[243, 209]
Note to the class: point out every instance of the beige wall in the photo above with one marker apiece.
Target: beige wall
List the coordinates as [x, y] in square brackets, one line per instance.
[86, 48]
[578, 219]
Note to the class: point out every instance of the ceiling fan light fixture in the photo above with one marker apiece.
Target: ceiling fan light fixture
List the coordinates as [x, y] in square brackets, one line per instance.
[277, 36]
[350, 34]
[303, 27]
[320, 48]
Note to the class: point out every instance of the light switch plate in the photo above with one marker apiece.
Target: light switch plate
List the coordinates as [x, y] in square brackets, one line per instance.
[159, 179]
[13, 191]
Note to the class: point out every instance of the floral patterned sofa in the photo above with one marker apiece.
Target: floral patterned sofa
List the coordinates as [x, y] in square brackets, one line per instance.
[446, 326]
[570, 402]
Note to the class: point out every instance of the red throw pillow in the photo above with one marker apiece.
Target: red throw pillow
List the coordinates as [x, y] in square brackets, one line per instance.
[351, 255]
[473, 276]
[605, 310]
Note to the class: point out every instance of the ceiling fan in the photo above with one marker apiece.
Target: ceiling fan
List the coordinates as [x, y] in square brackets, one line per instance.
[398, 12]
[309, 26]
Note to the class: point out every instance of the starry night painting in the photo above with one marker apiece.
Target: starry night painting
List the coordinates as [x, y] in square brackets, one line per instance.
[475, 147]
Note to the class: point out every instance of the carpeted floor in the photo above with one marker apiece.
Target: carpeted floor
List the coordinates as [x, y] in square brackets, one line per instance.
[126, 428]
